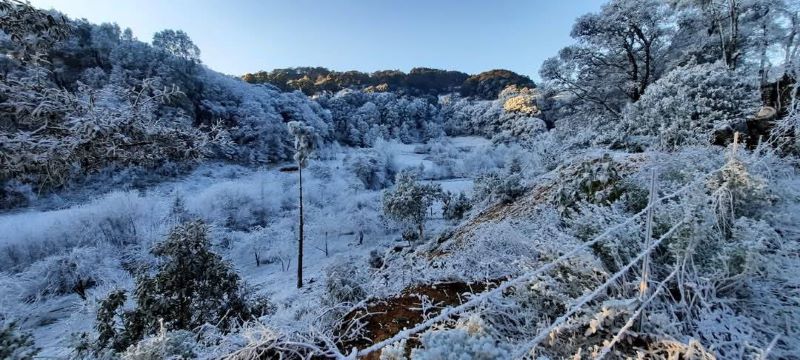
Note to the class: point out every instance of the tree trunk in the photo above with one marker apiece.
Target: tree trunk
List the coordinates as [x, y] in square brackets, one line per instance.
[300, 243]
[732, 54]
[421, 232]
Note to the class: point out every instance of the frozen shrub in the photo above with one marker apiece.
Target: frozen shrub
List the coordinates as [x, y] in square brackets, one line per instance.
[595, 181]
[396, 351]
[375, 259]
[454, 207]
[192, 286]
[15, 345]
[494, 187]
[457, 344]
[166, 345]
[409, 200]
[344, 283]
[73, 272]
[372, 168]
[238, 205]
[738, 192]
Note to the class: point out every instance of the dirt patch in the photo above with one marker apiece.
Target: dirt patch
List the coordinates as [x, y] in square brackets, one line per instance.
[383, 318]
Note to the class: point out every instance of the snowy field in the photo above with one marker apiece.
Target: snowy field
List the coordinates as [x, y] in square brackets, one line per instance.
[253, 213]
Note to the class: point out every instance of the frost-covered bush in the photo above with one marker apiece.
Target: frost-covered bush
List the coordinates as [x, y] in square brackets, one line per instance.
[396, 351]
[454, 207]
[344, 282]
[689, 104]
[456, 344]
[192, 286]
[371, 167]
[243, 204]
[119, 219]
[594, 181]
[15, 345]
[409, 200]
[73, 272]
[166, 345]
[498, 187]
[519, 130]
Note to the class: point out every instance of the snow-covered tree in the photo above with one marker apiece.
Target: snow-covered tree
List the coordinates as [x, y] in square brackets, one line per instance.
[191, 287]
[454, 207]
[32, 30]
[304, 143]
[690, 104]
[408, 201]
[177, 43]
[618, 54]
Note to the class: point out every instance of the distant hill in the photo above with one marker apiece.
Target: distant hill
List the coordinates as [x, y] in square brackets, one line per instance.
[419, 81]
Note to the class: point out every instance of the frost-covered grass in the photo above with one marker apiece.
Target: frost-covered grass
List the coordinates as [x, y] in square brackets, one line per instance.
[58, 263]
[98, 240]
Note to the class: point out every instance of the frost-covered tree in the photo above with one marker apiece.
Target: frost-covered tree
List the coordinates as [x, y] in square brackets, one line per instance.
[617, 55]
[454, 207]
[495, 186]
[304, 143]
[373, 168]
[192, 286]
[409, 200]
[742, 34]
[177, 43]
[690, 104]
[32, 30]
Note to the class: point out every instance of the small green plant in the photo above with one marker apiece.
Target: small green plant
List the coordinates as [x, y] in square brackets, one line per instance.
[193, 286]
[16, 345]
[595, 181]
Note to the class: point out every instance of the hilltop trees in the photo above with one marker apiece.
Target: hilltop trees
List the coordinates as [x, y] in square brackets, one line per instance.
[177, 43]
[417, 82]
[488, 84]
[97, 99]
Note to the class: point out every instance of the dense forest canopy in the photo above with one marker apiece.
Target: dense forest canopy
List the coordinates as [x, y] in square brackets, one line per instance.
[418, 81]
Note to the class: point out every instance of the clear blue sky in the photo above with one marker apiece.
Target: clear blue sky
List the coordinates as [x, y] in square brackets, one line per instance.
[236, 37]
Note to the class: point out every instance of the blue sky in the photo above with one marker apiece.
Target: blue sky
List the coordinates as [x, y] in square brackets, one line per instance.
[236, 37]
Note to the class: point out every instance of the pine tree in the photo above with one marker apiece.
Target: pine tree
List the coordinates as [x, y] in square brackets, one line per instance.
[193, 286]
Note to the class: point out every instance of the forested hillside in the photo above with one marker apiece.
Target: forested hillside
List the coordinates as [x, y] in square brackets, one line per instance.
[641, 201]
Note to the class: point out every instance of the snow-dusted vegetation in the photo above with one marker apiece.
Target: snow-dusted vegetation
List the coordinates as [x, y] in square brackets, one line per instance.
[643, 201]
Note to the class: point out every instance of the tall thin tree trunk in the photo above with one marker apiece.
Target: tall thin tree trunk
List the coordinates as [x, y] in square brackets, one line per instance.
[300, 243]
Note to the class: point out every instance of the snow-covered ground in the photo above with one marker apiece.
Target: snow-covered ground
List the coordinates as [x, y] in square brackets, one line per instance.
[251, 211]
